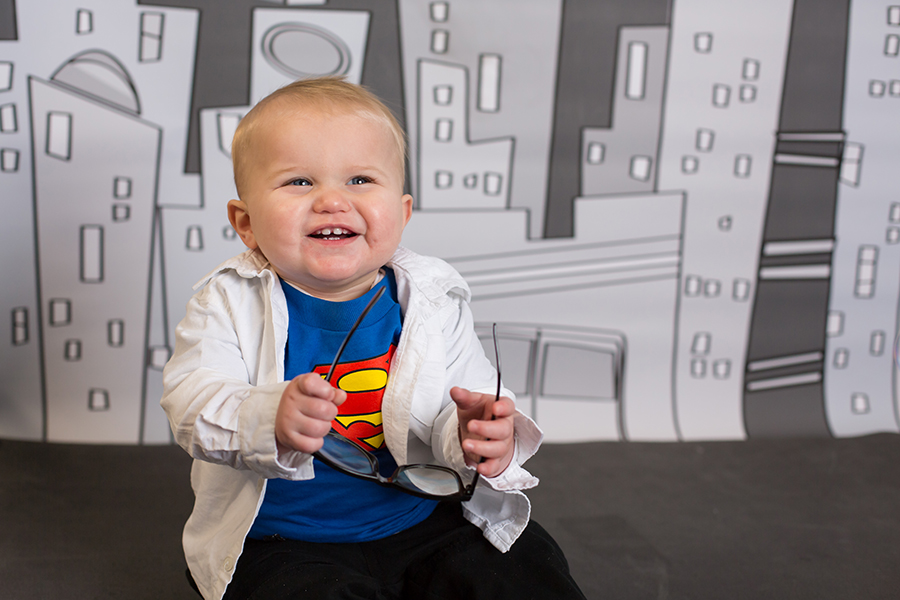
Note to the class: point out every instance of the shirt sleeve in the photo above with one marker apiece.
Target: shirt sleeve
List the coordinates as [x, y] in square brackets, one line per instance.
[469, 368]
[216, 411]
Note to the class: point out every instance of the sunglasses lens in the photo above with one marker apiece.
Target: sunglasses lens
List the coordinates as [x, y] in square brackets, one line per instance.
[431, 481]
[346, 454]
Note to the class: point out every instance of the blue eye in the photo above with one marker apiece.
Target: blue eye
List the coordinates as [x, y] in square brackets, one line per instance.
[300, 181]
[359, 180]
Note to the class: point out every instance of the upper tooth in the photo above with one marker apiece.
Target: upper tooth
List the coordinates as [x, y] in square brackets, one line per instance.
[326, 231]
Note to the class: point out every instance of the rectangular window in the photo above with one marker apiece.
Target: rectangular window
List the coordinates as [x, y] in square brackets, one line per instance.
[98, 400]
[489, 83]
[595, 153]
[59, 135]
[440, 41]
[493, 184]
[866, 265]
[703, 42]
[578, 372]
[60, 311]
[151, 36]
[115, 333]
[443, 130]
[6, 76]
[20, 326]
[750, 72]
[72, 352]
[443, 95]
[194, 240]
[84, 21]
[91, 253]
[9, 160]
[8, 121]
[636, 75]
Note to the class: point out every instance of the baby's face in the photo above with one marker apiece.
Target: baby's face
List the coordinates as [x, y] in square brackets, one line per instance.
[323, 199]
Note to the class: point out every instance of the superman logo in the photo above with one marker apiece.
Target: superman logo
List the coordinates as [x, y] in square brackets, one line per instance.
[359, 417]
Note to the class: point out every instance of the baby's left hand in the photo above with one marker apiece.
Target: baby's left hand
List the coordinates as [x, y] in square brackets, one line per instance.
[480, 435]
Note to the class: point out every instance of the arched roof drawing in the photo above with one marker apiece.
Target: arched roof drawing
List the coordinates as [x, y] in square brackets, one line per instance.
[304, 50]
[98, 74]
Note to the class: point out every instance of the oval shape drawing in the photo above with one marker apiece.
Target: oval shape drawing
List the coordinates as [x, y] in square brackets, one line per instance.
[304, 50]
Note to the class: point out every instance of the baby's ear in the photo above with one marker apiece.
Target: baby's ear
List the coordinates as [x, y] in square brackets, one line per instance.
[407, 201]
[240, 220]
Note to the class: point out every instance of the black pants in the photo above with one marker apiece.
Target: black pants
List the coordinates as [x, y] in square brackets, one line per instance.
[444, 557]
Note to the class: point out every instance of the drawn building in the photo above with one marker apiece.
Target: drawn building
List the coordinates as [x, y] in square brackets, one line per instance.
[723, 98]
[511, 79]
[95, 166]
[861, 375]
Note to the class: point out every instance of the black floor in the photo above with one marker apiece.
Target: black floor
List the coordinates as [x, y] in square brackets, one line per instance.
[817, 519]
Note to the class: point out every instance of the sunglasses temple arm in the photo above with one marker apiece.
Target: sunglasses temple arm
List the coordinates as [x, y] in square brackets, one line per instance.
[359, 319]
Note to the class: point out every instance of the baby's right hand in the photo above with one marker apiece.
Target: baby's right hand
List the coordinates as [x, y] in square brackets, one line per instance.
[307, 407]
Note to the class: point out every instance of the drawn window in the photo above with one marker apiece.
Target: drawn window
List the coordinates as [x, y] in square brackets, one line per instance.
[893, 15]
[20, 326]
[121, 212]
[6, 76]
[877, 88]
[60, 311]
[91, 270]
[892, 235]
[834, 324]
[703, 42]
[440, 41]
[443, 179]
[84, 21]
[636, 75]
[850, 163]
[742, 164]
[8, 121]
[750, 72]
[892, 44]
[692, 285]
[698, 368]
[443, 130]
[894, 213]
[721, 369]
[721, 95]
[98, 399]
[151, 36]
[194, 241]
[115, 333]
[493, 184]
[705, 139]
[229, 233]
[701, 343]
[59, 135]
[689, 165]
[9, 160]
[122, 188]
[578, 372]
[876, 343]
[859, 403]
[158, 356]
[440, 11]
[595, 154]
[711, 288]
[516, 360]
[470, 181]
[72, 350]
[724, 223]
[740, 290]
[866, 263]
[748, 93]
[489, 82]
[640, 168]
[894, 88]
[443, 95]
[226, 125]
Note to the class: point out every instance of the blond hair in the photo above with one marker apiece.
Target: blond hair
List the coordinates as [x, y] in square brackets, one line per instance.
[332, 94]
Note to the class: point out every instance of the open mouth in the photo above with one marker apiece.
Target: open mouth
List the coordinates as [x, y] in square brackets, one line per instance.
[332, 233]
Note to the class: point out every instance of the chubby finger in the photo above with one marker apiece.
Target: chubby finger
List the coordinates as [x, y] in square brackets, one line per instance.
[313, 385]
[498, 429]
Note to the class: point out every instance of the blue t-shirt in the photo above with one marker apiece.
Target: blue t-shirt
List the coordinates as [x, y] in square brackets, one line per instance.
[334, 507]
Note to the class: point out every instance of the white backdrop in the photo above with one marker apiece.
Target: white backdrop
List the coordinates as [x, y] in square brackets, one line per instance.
[682, 217]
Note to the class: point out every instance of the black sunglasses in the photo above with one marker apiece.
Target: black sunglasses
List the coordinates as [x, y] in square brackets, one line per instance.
[433, 482]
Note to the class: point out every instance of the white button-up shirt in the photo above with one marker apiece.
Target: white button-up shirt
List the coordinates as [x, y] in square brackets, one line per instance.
[225, 379]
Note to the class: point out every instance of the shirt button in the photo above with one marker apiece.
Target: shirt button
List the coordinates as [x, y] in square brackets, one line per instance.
[229, 563]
